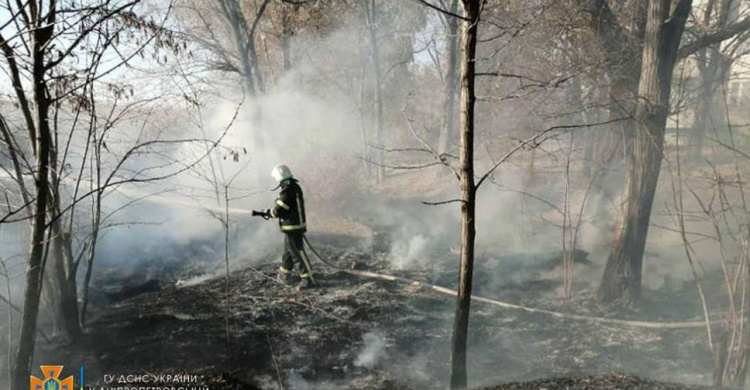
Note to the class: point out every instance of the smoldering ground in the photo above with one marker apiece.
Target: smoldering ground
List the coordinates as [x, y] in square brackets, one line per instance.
[363, 334]
[359, 333]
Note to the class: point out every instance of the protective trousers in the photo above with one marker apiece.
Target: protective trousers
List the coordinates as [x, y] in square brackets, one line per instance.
[294, 252]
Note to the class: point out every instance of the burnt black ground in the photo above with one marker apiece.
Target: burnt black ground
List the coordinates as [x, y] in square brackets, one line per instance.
[322, 338]
[601, 382]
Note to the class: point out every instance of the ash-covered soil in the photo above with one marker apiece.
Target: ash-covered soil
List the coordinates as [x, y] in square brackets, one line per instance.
[353, 333]
[601, 382]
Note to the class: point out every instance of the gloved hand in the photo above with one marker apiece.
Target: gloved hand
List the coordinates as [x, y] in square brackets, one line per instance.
[263, 214]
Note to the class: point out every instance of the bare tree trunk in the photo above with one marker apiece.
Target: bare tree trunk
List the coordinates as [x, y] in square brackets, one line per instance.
[363, 129]
[468, 193]
[34, 272]
[451, 80]
[622, 275]
[63, 277]
[244, 40]
[97, 144]
[714, 66]
[287, 31]
[371, 17]
[714, 74]
[256, 113]
[64, 273]
[225, 222]
[702, 113]
[254, 69]
[578, 99]
[96, 222]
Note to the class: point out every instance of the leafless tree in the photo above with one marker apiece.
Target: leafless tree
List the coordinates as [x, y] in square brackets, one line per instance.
[39, 43]
[661, 50]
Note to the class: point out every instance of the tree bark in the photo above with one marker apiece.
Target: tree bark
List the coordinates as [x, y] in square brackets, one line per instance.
[451, 80]
[622, 274]
[244, 40]
[65, 276]
[34, 273]
[63, 284]
[623, 67]
[468, 193]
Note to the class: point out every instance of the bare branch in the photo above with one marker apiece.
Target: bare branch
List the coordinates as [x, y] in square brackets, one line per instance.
[441, 10]
[714, 37]
[534, 141]
[85, 32]
[440, 157]
[442, 202]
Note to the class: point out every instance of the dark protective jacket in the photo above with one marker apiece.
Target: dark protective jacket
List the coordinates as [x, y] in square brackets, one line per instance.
[290, 207]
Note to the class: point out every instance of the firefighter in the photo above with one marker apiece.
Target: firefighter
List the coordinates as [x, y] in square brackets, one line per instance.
[290, 210]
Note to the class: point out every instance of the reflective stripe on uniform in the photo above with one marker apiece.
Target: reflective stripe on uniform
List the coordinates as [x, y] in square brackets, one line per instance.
[273, 213]
[306, 262]
[282, 204]
[292, 227]
[300, 215]
[284, 270]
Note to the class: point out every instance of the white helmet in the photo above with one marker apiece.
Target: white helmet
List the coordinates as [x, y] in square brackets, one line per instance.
[281, 173]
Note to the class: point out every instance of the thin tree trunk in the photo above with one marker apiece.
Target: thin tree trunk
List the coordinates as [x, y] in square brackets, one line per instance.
[96, 222]
[250, 84]
[364, 133]
[714, 69]
[287, 31]
[702, 120]
[63, 279]
[244, 40]
[34, 272]
[371, 16]
[97, 144]
[67, 296]
[468, 194]
[622, 274]
[451, 80]
[708, 114]
[578, 100]
[254, 69]
[588, 153]
[226, 258]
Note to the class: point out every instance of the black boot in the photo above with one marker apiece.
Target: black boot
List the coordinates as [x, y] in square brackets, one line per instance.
[284, 276]
[305, 283]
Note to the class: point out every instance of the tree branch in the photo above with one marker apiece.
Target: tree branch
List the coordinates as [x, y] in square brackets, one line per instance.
[442, 202]
[441, 10]
[83, 34]
[534, 142]
[15, 74]
[714, 38]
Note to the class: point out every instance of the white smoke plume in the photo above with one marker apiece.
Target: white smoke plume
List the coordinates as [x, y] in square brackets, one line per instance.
[372, 352]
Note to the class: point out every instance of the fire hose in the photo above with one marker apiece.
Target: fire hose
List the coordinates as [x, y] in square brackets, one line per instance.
[511, 306]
